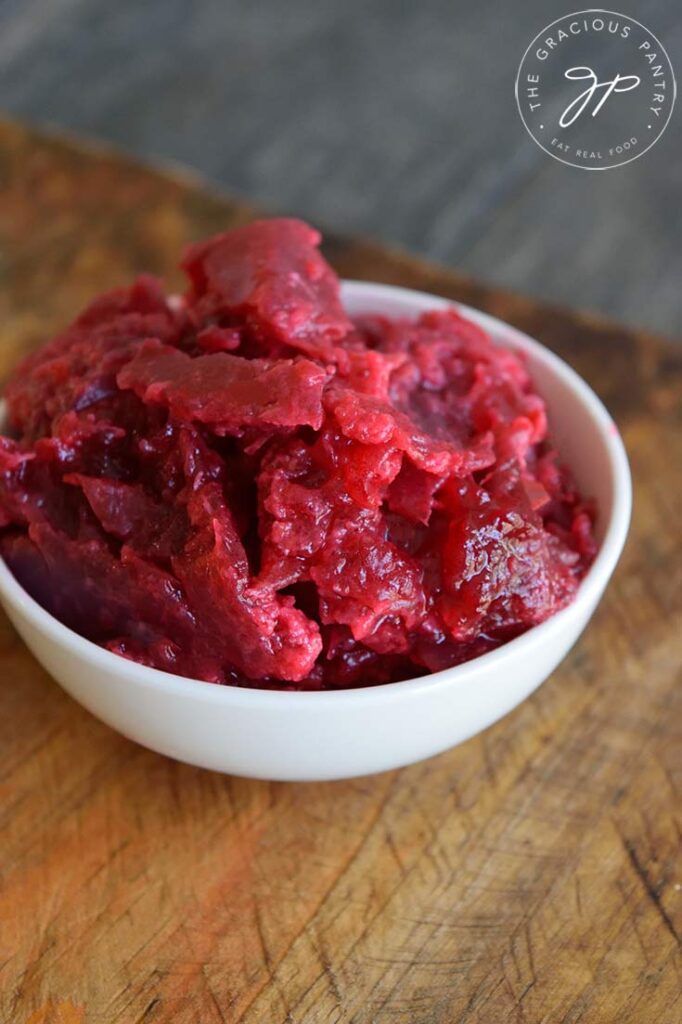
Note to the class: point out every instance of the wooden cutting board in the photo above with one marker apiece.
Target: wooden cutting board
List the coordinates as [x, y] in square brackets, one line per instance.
[532, 875]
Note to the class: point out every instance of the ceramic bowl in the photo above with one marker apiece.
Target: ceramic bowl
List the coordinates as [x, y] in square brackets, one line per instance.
[343, 733]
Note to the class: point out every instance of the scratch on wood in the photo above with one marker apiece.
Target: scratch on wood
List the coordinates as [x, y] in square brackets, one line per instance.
[390, 843]
[270, 966]
[650, 889]
[214, 999]
[333, 980]
[529, 946]
[526, 990]
[267, 959]
[625, 897]
[149, 1010]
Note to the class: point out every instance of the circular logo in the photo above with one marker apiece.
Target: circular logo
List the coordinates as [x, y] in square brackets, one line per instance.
[595, 89]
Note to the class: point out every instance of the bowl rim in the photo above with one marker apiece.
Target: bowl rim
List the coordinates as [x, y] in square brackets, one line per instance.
[588, 593]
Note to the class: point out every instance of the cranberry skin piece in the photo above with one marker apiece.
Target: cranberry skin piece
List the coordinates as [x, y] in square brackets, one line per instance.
[270, 276]
[227, 392]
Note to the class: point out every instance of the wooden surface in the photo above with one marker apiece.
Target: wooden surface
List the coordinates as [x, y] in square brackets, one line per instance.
[532, 875]
[385, 119]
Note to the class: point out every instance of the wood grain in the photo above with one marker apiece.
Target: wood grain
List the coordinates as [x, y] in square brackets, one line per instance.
[532, 875]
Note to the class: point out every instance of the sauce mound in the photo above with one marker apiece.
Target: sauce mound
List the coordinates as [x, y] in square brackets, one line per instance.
[246, 486]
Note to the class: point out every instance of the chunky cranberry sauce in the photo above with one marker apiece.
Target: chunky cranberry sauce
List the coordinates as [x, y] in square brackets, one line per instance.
[247, 486]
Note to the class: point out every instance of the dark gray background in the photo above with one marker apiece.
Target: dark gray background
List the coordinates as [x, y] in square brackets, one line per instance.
[376, 117]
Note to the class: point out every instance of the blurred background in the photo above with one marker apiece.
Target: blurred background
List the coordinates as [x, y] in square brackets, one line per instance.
[371, 117]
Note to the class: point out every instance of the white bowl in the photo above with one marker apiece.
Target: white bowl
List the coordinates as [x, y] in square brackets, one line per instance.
[338, 734]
